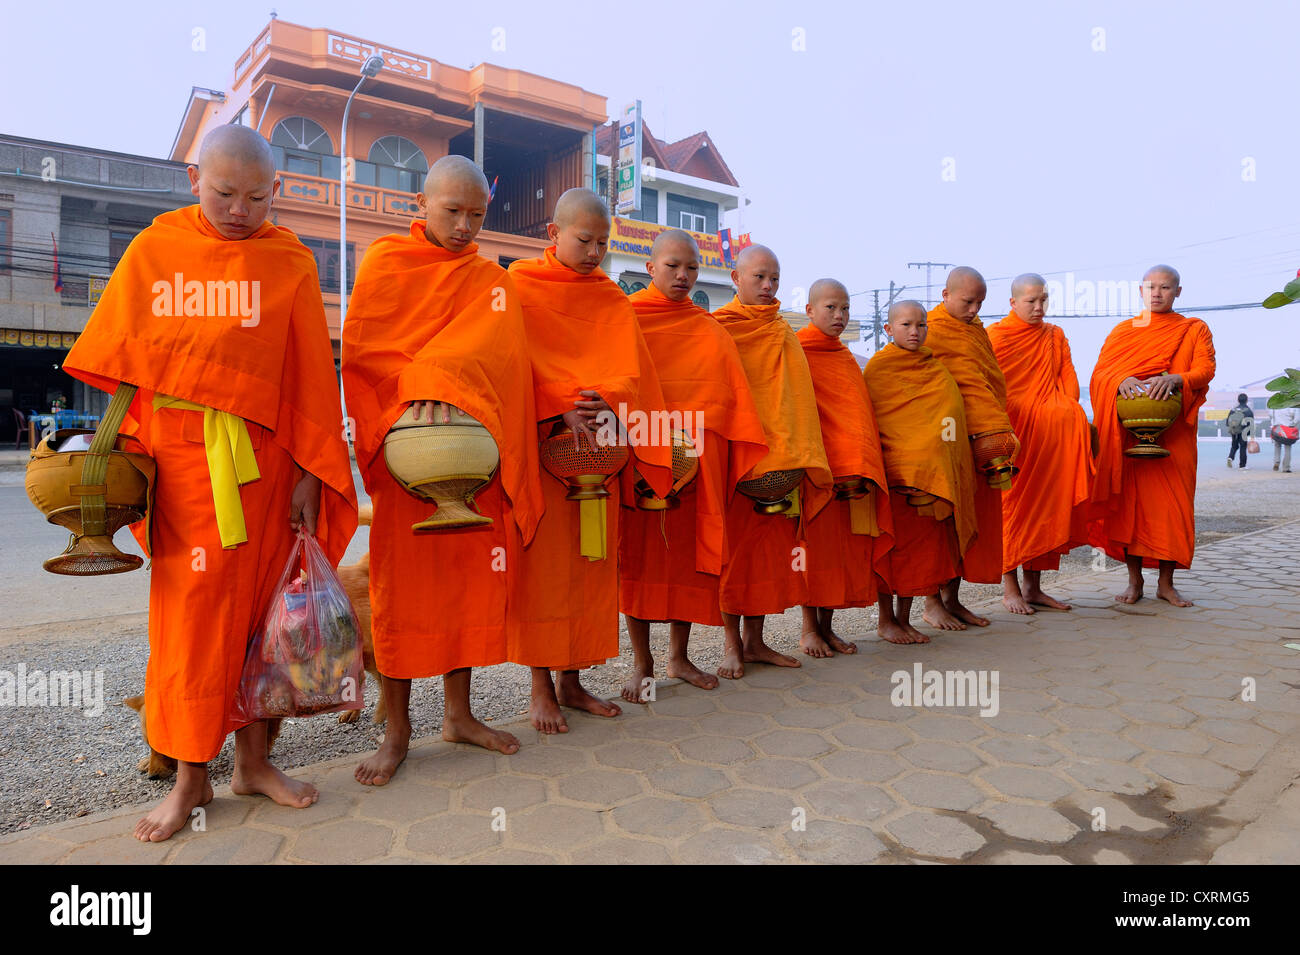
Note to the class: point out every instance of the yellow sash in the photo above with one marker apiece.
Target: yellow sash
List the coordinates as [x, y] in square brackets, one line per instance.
[231, 462]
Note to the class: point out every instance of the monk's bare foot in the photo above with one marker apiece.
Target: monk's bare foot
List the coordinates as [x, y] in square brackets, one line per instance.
[939, 618]
[688, 671]
[762, 653]
[571, 693]
[894, 633]
[636, 684]
[966, 615]
[544, 712]
[732, 666]
[811, 643]
[1016, 603]
[1167, 592]
[261, 778]
[916, 635]
[173, 812]
[1132, 593]
[1043, 600]
[840, 646]
[466, 729]
[378, 768]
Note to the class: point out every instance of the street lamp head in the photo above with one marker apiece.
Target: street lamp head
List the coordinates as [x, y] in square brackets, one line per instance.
[373, 65]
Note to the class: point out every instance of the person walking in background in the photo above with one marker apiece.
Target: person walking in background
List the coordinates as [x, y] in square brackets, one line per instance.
[1241, 422]
[1286, 428]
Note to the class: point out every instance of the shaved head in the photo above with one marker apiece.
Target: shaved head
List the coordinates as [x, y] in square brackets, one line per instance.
[963, 293]
[754, 253]
[578, 204]
[1023, 283]
[458, 170]
[827, 287]
[240, 145]
[909, 306]
[1168, 270]
[674, 240]
[962, 273]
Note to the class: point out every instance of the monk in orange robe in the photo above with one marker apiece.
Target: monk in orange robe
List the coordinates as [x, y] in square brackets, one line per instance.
[216, 316]
[1045, 512]
[670, 561]
[848, 542]
[435, 327]
[958, 339]
[929, 469]
[768, 556]
[592, 373]
[1143, 508]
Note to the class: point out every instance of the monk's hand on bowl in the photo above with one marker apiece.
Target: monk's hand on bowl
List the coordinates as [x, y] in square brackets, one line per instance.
[1132, 387]
[304, 505]
[578, 420]
[437, 411]
[1161, 387]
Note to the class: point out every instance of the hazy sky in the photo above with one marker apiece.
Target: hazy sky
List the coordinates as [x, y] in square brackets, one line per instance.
[1089, 138]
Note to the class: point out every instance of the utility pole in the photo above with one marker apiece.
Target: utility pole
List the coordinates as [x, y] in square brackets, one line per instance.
[929, 303]
[893, 294]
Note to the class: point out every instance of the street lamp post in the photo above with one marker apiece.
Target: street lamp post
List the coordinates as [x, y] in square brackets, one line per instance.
[374, 63]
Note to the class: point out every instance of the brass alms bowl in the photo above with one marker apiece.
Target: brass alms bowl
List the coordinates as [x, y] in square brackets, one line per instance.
[1146, 419]
[686, 464]
[444, 463]
[771, 491]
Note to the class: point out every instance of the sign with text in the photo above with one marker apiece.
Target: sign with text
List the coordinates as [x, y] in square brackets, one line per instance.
[631, 237]
[629, 159]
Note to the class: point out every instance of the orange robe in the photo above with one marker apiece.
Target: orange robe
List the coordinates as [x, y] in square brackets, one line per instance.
[965, 351]
[922, 422]
[670, 562]
[161, 326]
[582, 335]
[1045, 512]
[425, 323]
[1144, 506]
[768, 553]
[842, 565]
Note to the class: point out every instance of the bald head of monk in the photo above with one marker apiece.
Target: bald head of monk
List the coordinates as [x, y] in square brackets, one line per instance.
[454, 202]
[1160, 286]
[828, 307]
[757, 275]
[907, 324]
[234, 180]
[1029, 298]
[580, 230]
[674, 264]
[963, 293]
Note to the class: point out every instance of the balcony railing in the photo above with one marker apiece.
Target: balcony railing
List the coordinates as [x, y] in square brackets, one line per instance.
[315, 190]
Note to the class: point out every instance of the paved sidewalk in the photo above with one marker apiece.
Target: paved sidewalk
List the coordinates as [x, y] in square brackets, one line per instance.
[1122, 736]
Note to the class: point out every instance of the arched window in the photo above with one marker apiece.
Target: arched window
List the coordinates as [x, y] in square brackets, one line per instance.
[398, 164]
[301, 145]
[700, 299]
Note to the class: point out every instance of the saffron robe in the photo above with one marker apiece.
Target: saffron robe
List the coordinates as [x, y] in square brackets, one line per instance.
[582, 335]
[965, 351]
[237, 326]
[842, 565]
[922, 421]
[670, 562]
[768, 557]
[1145, 506]
[1045, 512]
[426, 323]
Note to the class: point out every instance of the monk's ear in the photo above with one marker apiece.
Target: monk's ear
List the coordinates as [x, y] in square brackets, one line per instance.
[735, 278]
[275, 190]
[422, 202]
[650, 269]
[553, 232]
[808, 309]
[193, 172]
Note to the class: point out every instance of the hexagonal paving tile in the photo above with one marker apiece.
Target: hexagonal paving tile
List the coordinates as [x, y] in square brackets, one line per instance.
[835, 843]
[1236, 730]
[615, 850]
[953, 729]
[799, 743]
[549, 759]
[730, 846]
[929, 834]
[860, 734]
[715, 749]
[695, 703]
[403, 801]
[1021, 724]
[1029, 752]
[738, 725]
[752, 701]
[1036, 823]
[868, 767]
[936, 791]
[947, 757]
[827, 693]
[810, 717]
[452, 835]
[1189, 769]
[642, 755]
[346, 842]
[847, 800]
[879, 708]
[775, 773]
[505, 791]
[555, 827]
[1026, 783]
[683, 779]
[1111, 777]
[1169, 740]
[1087, 718]
[1098, 745]
[659, 817]
[753, 808]
[458, 766]
[776, 678]
[604, 788]
[1165, 713]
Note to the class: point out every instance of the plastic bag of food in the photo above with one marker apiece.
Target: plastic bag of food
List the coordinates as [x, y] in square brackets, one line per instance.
[305, 658]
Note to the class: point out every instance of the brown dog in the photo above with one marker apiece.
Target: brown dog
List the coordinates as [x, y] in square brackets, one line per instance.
[356, 581]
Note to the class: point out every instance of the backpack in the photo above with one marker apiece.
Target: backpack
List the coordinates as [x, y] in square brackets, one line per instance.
[1236, 420]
